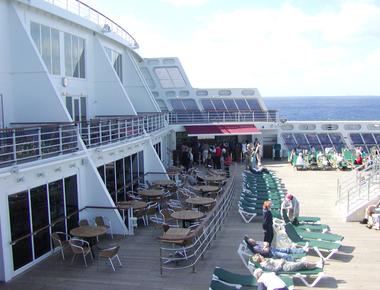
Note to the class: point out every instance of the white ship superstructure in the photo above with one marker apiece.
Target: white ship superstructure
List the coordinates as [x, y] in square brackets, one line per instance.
[86, 119]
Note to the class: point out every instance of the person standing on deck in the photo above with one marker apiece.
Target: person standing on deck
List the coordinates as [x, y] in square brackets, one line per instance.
[267, 222]
[292, 206]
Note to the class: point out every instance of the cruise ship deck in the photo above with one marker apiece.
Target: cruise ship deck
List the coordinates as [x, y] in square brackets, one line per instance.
[354, 267]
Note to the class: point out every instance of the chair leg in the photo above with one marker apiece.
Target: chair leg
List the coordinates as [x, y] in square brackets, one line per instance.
[117, 256]
[73, 259]
[85, 261]
[112, 264]
[63, 254]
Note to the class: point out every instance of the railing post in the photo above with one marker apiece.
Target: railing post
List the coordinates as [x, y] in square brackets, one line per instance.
[100, 133]
[253, 116]
[118, 129]
[14, 145]
[39, 143]
[110, 130]
[88, 134]
[60, 140]
[267, 116]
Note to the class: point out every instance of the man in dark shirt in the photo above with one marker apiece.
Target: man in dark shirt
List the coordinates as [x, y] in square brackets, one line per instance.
[263, 248]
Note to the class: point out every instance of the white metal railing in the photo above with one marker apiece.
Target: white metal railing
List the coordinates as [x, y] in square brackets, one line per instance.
[362, 185]
[105, 130]
[197, 117]
[89, 13]
[169, 260]
[25, 144]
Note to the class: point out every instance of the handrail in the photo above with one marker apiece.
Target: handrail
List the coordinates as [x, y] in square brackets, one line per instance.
[79, 8]
[208, 229]
[203, 117]
[362, 185]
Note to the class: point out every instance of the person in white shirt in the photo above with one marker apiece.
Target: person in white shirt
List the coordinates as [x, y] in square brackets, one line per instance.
[268, 281]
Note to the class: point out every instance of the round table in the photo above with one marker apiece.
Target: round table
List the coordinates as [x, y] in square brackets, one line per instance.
[205, 188]
[163, 182]
[88, 231]
[200, 200]
[210, 178]
[134, 204]
[151, 192]
[187, 215]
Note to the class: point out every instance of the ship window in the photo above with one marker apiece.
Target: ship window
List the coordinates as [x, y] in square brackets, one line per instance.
[47, 42]
[230, 104]
[190, 105]
[177, 105]
[162, 105]
[148, 78]
[219, 105]
[75, 53]
[242, 104]
[170, 77]
[254, 104]
[207, 105]
[116, 60]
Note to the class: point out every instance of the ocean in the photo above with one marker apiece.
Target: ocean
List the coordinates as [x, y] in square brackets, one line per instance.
[360, 108]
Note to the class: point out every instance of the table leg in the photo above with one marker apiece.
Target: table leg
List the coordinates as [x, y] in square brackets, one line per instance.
[130, 221]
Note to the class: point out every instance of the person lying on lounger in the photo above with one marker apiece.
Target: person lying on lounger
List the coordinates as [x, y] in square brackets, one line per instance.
[281, 265]
[265, 250]
[268, 281]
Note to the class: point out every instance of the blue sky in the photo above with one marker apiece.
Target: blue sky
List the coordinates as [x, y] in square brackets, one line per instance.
[283, 48]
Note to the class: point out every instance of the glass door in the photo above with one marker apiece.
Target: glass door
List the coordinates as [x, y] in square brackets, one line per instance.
[19, 215]
[40, 220]
[77, 107]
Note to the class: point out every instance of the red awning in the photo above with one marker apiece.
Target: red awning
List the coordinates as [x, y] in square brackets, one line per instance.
[220, 130]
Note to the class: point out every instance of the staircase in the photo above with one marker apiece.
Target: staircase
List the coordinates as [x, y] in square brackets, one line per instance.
[357, 190]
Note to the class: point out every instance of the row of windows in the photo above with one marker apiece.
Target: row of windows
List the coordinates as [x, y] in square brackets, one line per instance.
[48, 43]
[41, 210]
[212, 105]
[123, 175]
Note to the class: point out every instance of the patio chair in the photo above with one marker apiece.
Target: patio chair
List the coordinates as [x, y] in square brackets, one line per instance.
[315, 275]
[317, 236]
[83, 223]
[110, 254]
[104, 222]
[60, 241]
[80, 247]
[318, 246]
[234, 279]
[247, 214]
[307, 227]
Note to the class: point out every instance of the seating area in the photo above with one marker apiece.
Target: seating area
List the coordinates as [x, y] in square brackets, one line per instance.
[256, 189]
[140, 253]
[309, 234]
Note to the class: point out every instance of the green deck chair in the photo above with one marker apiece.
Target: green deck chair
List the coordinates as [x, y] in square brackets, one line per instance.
[306, 227]
[317, 236]
[243, 280]
[318, 246]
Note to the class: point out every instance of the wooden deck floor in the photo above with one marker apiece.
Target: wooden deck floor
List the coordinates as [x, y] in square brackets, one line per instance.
[356, 267]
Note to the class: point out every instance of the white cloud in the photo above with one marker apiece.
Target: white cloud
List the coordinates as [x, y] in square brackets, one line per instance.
[182, 3]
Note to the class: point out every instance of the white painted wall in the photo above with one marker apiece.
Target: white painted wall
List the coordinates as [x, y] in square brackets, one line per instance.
[136, 86]
[152, 163]
[32, 88]
[109, 94]
[95, 193]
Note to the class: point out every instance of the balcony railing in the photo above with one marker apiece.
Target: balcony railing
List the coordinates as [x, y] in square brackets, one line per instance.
[105, 129]
[85, 11]
[26, 144]
[222, 117]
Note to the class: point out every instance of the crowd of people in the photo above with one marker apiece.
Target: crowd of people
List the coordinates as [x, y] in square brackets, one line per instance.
[329, 158]
[219, 154]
